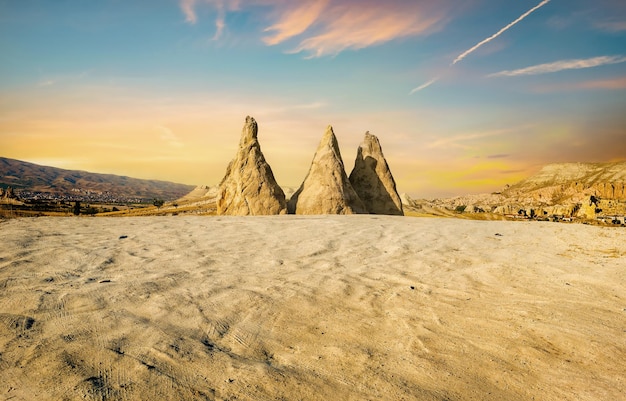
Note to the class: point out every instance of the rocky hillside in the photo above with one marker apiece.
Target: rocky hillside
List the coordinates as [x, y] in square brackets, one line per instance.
[561, 182]
[26, 177]
[581, 190]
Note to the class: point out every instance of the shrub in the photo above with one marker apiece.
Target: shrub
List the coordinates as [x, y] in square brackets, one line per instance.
[158, 203]
[76, 209]
[91, 211]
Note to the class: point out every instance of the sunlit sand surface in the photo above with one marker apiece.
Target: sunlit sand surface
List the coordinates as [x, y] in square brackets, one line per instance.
[310, 308]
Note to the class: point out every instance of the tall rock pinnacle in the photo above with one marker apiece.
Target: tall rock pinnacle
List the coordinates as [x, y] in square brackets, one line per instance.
[326, 188]
[249, 187]
[372, 179]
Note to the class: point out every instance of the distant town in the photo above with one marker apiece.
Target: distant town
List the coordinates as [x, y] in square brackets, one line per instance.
[81, 195]
[78, 201]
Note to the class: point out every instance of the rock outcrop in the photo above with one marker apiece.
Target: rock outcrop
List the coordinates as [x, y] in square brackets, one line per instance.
[474, 209]
[326, 188]
[563, 190]
[573, 181]
[249, 187]
[372, 180]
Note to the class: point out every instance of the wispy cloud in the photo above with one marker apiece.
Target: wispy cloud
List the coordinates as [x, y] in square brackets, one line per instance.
[289, 108]
[310, 106]
[424, 85]
[168, 136]
[62, 79]
[499, 156]
[187, 6]
[358, 24]
[458, 141]
[294, 21]
[617, 83]
[327, 27]
[220, 24]
[611, 26]
[561, 65]
[602, 84]
[500, 32]
[222, 6]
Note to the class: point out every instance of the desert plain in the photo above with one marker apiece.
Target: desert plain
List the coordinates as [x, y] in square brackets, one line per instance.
[356, 307]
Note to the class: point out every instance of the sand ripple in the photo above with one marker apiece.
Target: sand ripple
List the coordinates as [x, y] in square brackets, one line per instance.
[311, 308]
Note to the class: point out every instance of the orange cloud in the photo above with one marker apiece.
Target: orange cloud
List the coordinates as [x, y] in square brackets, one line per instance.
[352, 25]
[294, 21]
[616, 83]
[327, 27]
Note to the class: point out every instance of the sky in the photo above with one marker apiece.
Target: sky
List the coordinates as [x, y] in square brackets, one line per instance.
[465, 96]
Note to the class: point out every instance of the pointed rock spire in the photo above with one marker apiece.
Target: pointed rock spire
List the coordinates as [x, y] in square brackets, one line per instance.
[249, 187]
[326, 188]
[372, 179]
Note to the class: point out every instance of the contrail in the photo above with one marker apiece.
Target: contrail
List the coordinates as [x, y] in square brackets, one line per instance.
[489, 39]
[561, 65]
[500, 32]
[423, 86]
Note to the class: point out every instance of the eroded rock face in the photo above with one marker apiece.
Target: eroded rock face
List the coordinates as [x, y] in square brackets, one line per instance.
[326, 188]
[249, 187]
[573, 181]
[372, 180]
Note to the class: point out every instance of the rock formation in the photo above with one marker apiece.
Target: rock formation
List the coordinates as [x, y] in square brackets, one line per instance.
[571, 190]
[474, 209]
[589, 208]
[372, 179]
[326, 188]
[575, 181]
[249, 187]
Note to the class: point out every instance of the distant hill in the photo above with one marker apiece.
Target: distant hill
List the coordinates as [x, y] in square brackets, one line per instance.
[30, 177]
[584, 190]
[563, 181]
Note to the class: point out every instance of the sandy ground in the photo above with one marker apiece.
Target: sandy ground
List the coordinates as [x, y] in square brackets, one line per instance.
[310, 308]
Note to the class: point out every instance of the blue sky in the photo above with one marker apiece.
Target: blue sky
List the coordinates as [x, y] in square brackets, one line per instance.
[465, 96]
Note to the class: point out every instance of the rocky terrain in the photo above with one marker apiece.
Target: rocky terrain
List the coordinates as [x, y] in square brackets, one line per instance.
[563, 190]
[29, 178]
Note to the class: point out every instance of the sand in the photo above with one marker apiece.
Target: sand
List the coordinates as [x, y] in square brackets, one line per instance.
[310, 308]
